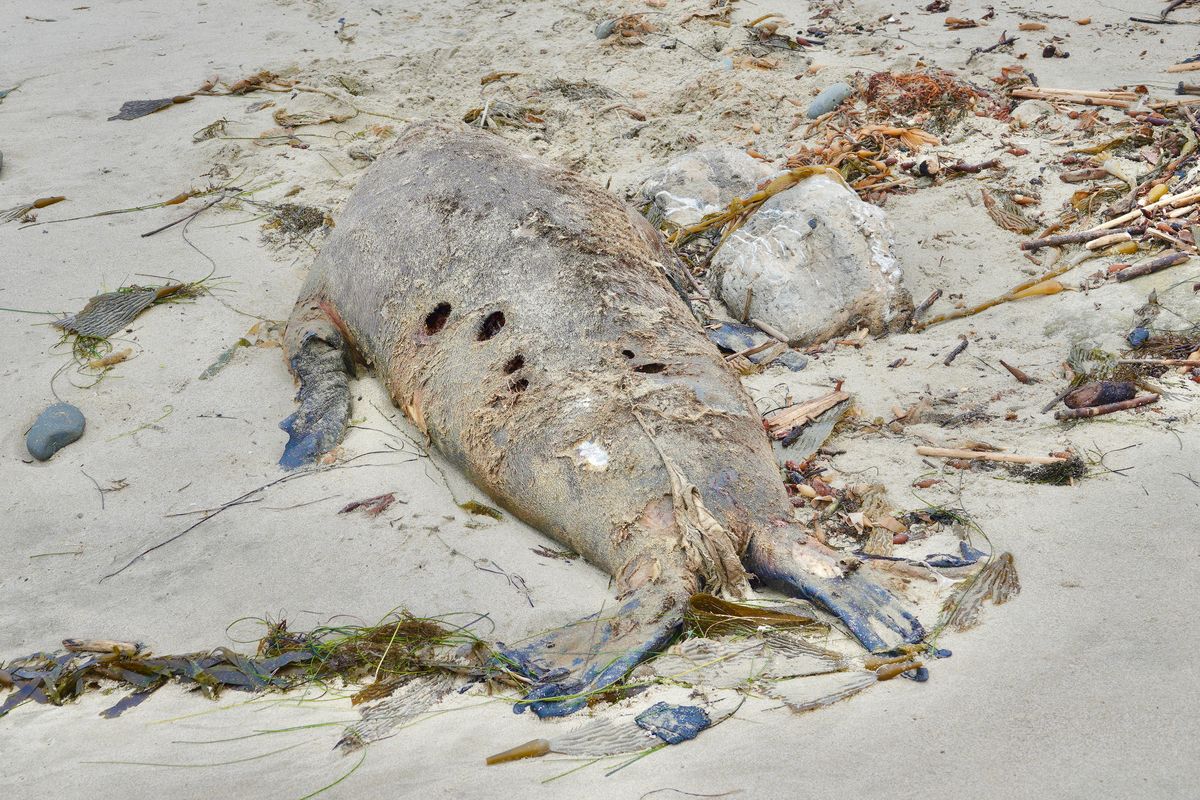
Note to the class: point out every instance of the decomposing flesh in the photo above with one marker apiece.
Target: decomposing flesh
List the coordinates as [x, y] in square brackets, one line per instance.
[522, 318]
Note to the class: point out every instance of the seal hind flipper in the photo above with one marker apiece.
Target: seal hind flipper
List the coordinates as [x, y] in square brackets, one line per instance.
[841, 585]
[319, 356]
[572, 663]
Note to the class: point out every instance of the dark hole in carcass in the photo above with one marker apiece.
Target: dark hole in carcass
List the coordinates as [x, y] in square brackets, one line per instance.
[520, 385]
[491, 326]
[514, 364]
[651, 368]
[627, 353]
[436, 319]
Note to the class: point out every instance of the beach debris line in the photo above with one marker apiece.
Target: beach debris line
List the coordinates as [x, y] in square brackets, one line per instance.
[398, 649]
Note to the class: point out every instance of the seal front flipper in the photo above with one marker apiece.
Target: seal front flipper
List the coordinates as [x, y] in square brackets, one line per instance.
[570, 664]
[319, 356]
[842, 585]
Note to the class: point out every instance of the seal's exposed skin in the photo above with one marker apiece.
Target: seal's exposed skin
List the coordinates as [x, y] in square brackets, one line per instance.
[520, 317]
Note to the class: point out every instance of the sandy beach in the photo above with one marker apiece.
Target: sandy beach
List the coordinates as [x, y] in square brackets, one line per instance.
[1082, 686]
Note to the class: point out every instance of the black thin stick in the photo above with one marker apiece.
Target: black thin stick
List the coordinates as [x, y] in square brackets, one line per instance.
[190, 216]
[97, 485]
[954, 353]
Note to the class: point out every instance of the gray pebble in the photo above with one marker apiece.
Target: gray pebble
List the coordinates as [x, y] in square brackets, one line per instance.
[56, 427]
[605, 28]
[829, 99]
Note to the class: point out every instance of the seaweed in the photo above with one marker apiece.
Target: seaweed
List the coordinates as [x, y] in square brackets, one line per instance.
[103, 315]
[943, 97]
[1060, 473]
[401, 647]
[708, 616]
[997, 582]
[288, 223]
[134, 109]
[480, 509]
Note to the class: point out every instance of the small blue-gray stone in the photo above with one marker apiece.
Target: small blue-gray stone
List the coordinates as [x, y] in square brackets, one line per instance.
[605, 28]
[829, 99]
[56, 427]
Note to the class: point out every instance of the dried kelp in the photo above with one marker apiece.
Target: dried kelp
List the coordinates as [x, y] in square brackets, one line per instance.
[289, 223]
[58, 678]
[1007, 214]
[399, 649]
[579, 90]
[24, 211]
[133, 109]
[105, 314]
[997, 582]
[657, 726]
[1061, 473]
[741, 663]
[942, 97]
[407, 700]
[498, 112]
[371, 506]
[711, 616]
[816, 691]
[598, 738]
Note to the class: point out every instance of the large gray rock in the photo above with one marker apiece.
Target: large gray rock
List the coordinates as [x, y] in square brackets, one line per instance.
[820, 262]
[703, 181]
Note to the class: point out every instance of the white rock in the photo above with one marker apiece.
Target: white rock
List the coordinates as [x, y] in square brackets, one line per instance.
[1030, 112]
[703, 181]
[820, 261]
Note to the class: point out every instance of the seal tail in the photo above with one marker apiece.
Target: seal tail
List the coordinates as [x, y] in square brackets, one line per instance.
[319, 356]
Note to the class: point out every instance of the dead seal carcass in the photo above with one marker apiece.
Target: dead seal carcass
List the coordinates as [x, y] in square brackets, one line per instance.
[520, 316]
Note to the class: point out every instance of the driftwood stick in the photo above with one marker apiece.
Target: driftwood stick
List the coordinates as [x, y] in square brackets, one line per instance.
[1110, 239]
[100, 646]
[972, 168]
[953, 354]
[1161, 362]
[783, 420]
[750, 351]
[1186, 197]
[1151, 266]
[1136, 214]
[1178, 244]
[769, 330]
[1076, 238]
[977, 455]
[1057, 399]
[1016, 373]
[1096, 411]
[925, 304]
[1070, 97]
[1188, 67]
[1119, 94]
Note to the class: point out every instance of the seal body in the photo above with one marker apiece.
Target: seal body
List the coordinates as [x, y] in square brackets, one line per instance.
[523, 319]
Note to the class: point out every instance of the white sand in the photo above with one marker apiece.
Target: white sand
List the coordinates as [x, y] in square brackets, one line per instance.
[1083, 687]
